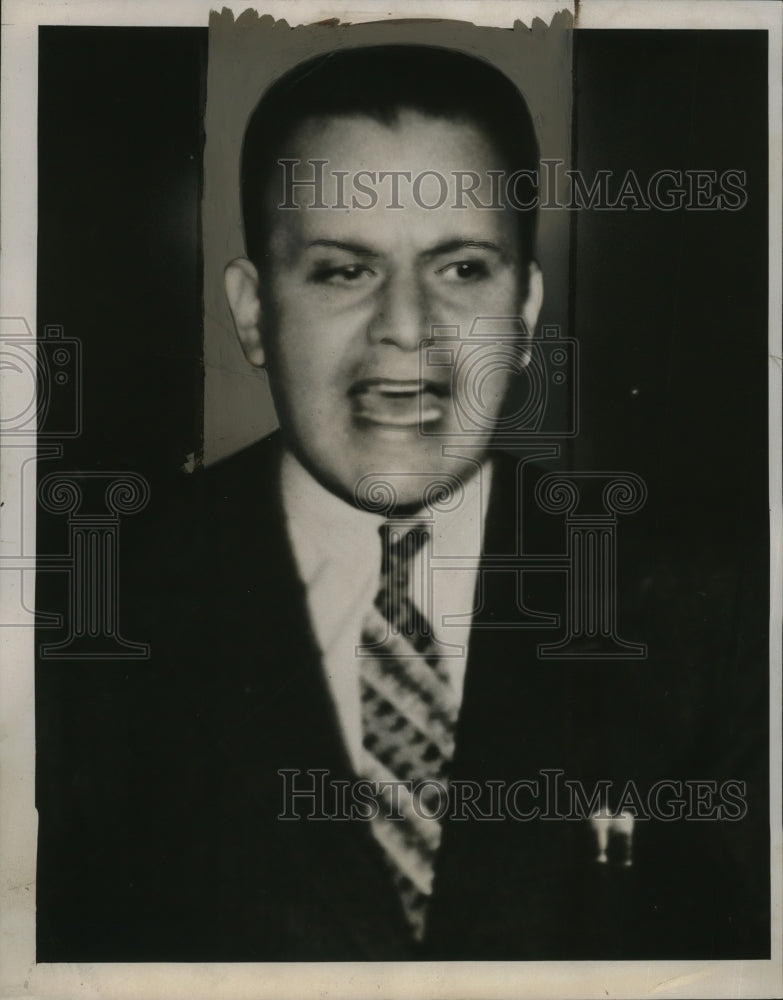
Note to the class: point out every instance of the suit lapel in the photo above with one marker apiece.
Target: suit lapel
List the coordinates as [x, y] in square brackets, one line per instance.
[501, 883]
[275, 713]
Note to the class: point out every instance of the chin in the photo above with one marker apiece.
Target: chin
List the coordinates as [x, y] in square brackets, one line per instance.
[412, 458]
[387, 483]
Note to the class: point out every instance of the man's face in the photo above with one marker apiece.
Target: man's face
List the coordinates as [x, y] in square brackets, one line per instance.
[351, 297]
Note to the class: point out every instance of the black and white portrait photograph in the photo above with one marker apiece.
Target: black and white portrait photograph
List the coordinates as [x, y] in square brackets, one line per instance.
[391, 499]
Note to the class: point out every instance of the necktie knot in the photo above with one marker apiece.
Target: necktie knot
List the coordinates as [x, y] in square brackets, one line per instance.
[400, 543]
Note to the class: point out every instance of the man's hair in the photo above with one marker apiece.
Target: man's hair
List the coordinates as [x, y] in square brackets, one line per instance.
[379, 82]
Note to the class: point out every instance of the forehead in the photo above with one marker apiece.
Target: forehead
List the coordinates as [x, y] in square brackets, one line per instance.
[388, 180]
[410, 140]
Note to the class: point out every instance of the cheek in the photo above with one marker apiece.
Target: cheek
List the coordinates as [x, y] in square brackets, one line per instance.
[482, 300]
[487, 390]
[308, 368]
[502, 299]
[295, 336]
[323, 352]
[483, 378]
[497, 387]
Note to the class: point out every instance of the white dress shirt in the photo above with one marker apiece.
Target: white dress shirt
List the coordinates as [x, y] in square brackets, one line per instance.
[337, 548]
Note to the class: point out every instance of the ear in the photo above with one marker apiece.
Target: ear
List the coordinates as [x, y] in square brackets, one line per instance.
[241, 280]
[531, 307]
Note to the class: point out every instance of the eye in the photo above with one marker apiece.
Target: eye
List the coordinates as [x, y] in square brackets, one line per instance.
[343, 274]
[465, 270]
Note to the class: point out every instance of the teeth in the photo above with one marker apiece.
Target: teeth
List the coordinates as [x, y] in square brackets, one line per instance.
[397, 403]
[400, 388]
[403, 420]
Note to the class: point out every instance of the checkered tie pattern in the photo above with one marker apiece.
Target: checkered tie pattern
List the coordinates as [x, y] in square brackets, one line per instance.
[409, 713]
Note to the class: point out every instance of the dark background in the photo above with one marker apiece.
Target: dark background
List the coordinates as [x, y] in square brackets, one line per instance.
[119, 267]
[673, 305]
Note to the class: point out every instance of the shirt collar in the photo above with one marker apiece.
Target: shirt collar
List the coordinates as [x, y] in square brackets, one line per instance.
[323, 527]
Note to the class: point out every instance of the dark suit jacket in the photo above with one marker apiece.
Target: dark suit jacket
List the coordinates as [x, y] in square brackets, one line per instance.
[159, 791]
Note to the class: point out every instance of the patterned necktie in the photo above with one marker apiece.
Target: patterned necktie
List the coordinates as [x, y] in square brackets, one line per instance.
[409, 713]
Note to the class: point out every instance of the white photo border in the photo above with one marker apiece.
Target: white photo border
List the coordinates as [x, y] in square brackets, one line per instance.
[20, 975]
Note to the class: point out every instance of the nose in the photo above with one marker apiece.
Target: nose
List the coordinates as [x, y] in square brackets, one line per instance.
[400, 318]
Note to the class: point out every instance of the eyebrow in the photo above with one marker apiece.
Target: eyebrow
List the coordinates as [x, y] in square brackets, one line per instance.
[450, 246]
[447, 246]
[355, 248]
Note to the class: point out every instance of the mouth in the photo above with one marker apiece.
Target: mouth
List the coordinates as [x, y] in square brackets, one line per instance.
[399, 402]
